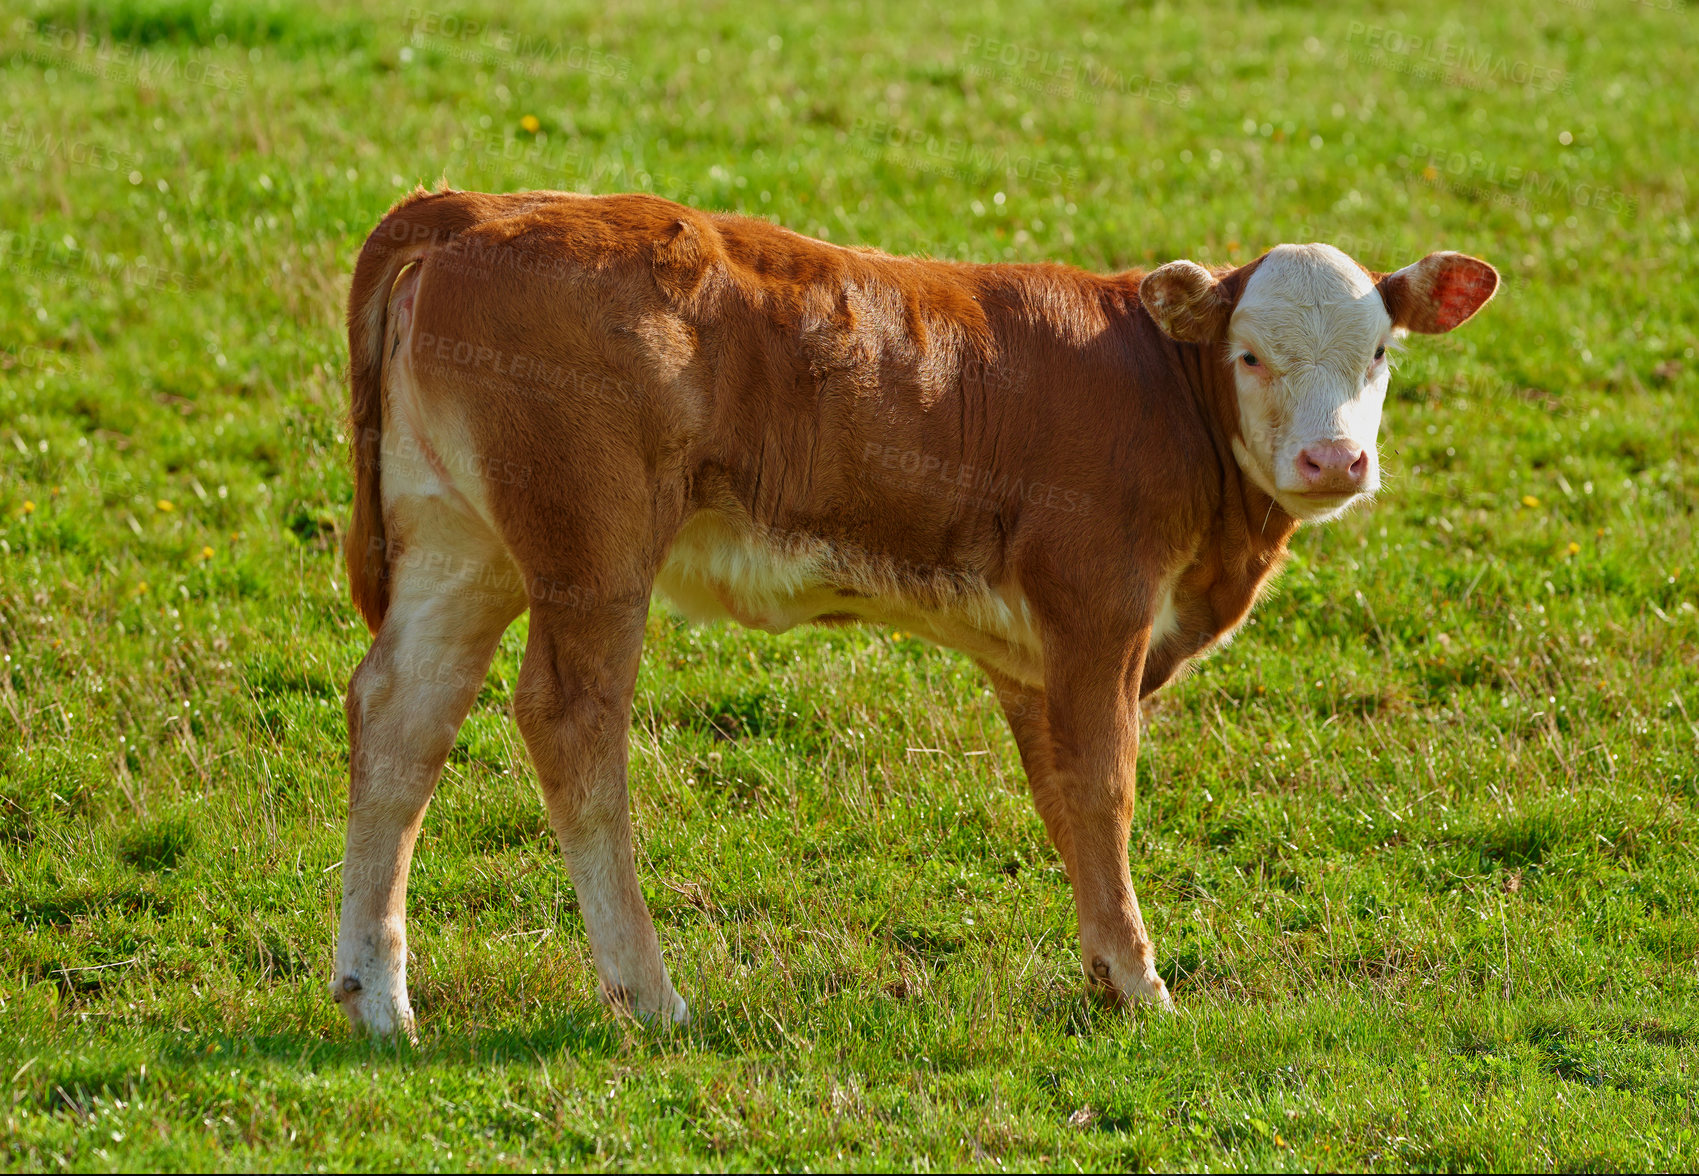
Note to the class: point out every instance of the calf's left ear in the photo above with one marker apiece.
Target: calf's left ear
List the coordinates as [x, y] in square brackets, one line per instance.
[1439, 292]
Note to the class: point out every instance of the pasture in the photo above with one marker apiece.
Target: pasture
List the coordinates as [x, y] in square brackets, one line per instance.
[1417, 849]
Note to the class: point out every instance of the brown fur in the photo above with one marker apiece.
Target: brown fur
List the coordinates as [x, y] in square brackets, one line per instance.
[751, 369]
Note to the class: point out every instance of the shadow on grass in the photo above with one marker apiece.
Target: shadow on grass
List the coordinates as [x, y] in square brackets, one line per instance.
[125, 1067]
[583, 1034]
[586, 1032]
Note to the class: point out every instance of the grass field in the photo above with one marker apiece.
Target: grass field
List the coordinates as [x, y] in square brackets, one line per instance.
[1417, 849]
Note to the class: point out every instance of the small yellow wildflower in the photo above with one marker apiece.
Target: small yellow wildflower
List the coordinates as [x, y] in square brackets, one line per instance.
[29, 507]
[206, 553]
[165, 505]
[1574, 548]
[530, 123]
[1530, 500]
[141, 588]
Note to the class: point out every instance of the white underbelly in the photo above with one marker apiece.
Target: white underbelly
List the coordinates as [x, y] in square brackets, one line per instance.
[718, 571]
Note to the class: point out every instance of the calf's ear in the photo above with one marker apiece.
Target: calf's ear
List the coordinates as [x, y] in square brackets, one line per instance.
[1439, 292]
[1186, 302]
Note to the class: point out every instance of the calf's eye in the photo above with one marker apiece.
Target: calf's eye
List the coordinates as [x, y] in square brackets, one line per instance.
[1380, 354]
[1251, 360]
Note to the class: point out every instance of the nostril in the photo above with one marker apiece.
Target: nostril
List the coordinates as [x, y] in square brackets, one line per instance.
[1334, 467]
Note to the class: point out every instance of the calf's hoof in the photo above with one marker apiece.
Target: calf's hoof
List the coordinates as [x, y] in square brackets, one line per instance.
[376, 1012]
[1129, 987]
[668, 1012]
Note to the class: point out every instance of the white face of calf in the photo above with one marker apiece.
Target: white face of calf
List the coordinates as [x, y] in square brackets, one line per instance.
[1308, 342]
[1306, 332]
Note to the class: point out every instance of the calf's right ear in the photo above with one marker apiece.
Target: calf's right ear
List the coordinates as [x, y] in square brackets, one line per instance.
[1186, 302]
[1439, 292]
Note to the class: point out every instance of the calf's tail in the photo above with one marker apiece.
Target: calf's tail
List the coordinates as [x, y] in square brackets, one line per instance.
[418, 222]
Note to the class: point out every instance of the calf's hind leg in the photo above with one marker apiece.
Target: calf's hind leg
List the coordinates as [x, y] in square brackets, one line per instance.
[573, 704]
[453, 592]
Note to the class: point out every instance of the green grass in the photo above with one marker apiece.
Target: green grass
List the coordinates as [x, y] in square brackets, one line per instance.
[1417, 849]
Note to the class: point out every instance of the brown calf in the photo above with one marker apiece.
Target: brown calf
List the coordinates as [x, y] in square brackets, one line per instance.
[565, 402]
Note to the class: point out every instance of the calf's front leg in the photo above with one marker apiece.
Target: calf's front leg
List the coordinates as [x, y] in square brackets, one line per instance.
[1080, 761]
